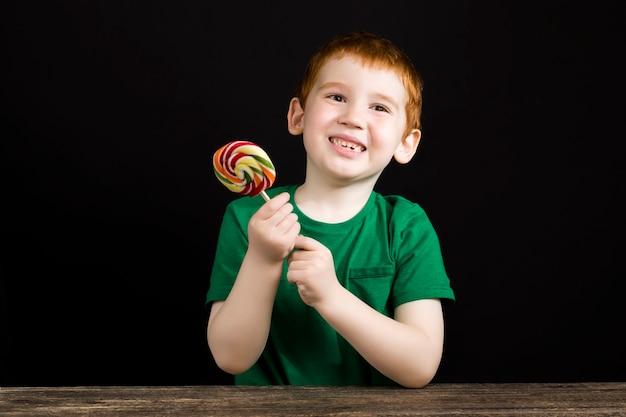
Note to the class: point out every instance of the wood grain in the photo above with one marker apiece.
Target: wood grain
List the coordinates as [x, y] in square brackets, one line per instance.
[578, 399]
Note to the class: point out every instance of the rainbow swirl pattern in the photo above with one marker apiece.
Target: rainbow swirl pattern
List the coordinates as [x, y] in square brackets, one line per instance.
[244, 167]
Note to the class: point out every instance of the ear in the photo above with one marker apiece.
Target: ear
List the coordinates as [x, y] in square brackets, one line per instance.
[295, 117]
[407, 148]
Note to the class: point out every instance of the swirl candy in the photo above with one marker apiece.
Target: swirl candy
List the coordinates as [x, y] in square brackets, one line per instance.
[244, 168]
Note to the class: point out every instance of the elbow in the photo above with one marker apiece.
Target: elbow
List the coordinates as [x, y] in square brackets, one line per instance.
[231, 367]
[229, 362]
[419, 377]
[420, 372]
[226, 357]
[416, 382]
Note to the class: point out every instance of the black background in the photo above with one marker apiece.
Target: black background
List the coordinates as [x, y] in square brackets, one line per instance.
[113, 110]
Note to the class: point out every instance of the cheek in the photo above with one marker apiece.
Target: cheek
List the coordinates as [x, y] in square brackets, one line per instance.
[316, 120]
[386, 137]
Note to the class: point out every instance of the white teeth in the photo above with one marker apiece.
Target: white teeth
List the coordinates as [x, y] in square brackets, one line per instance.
[349, 145]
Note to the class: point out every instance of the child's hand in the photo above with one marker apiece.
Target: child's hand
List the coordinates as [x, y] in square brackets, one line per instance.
[272, 230]
[312, 270]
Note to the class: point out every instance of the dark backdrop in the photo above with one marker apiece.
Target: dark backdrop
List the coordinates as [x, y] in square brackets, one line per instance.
[113, 109]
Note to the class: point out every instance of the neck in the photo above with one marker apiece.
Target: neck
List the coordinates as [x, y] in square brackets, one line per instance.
[332, 204]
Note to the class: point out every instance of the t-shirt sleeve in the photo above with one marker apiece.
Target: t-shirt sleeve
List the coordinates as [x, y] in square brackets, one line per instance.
[231, 247]
[421, 273]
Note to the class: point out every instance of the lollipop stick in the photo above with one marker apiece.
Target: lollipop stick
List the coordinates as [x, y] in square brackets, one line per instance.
[265, 196]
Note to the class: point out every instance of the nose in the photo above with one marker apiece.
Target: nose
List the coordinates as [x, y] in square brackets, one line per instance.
[352, 117]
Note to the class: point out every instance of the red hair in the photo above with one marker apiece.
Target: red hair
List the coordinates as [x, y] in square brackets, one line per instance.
[372, 51]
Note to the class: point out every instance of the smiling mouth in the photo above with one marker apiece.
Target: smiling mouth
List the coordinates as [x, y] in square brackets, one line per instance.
[348, 145]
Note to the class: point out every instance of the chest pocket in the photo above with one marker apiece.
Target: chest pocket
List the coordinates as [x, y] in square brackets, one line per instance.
[372, 285]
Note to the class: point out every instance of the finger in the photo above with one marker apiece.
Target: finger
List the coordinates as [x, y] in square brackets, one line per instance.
[295, 228]
[286, 220]
[307, 243]
[296, 277]
[279, 199]
[270, 208]
[292, 277]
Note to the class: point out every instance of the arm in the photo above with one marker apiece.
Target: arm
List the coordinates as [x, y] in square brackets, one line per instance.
[238, 327]
[407, 348]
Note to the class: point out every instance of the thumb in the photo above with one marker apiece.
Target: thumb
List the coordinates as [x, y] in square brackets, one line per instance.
[307, 243]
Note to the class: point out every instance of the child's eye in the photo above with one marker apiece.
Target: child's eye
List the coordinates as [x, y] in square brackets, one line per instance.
[335, 97]
[378, 107]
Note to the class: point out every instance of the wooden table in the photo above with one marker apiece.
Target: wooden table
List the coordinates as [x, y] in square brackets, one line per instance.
[579, 399]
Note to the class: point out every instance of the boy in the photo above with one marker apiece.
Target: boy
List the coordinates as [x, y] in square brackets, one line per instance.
[329, 282]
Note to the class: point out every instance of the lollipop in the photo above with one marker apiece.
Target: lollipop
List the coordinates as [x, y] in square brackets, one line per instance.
[244, 168]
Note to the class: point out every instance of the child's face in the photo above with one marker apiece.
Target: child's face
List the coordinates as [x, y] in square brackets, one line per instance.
[353, 121]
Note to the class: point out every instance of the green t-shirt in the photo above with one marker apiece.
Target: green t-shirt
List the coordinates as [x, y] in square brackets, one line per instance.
[387, 255]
